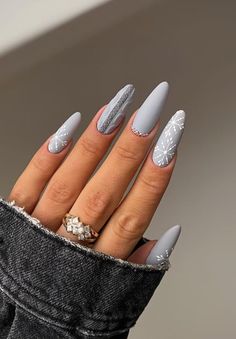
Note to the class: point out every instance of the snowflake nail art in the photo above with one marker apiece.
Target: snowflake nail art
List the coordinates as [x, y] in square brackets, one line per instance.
[64, 134]
[167, 144]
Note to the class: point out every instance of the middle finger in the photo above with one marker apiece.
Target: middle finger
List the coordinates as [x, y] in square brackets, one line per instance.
[105, 189]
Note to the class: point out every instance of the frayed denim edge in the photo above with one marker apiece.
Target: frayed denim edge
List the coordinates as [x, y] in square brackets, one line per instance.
[105, 334]
[34, 221]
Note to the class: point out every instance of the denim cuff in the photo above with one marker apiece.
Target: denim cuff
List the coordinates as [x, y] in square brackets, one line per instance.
[68, 287]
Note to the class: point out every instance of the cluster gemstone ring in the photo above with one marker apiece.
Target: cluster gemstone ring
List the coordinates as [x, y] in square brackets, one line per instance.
[74, 225]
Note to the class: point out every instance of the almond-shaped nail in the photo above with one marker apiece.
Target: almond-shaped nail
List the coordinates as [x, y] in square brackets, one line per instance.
[149, 113]
[116, 109]
[169, 140]
[164, 246]
[64, 134]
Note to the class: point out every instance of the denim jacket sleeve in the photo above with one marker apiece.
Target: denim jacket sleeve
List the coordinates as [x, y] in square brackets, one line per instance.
[53, 288]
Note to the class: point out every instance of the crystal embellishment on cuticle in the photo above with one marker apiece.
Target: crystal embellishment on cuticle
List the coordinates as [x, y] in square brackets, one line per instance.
[167, 144]
[149, 112]
[135, 131]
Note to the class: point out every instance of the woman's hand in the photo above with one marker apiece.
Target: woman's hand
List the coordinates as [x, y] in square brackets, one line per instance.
[53, 184]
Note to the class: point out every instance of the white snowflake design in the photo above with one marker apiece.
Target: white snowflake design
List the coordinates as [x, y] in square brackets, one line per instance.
[164, 152]
[162, 260]
[60, 139]
[166, 146]
[175, 124]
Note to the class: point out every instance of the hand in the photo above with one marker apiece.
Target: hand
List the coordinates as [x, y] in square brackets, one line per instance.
[54, 184]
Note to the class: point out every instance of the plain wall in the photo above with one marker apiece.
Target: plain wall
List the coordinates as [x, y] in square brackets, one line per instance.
[191, 44]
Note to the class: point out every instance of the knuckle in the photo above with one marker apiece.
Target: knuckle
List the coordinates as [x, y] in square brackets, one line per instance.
[59, 192]
[19, 196]
[128, 227]
[96, 204]
[42, 164]
[126, 153]
[152, 185]
[88, 146]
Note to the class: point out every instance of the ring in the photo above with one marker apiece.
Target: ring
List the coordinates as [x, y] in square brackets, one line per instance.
[74, 225]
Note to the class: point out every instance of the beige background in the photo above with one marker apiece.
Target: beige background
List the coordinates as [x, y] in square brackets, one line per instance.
[191, 44]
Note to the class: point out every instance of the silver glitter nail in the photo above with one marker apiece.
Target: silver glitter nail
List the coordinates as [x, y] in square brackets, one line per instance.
[115, 111]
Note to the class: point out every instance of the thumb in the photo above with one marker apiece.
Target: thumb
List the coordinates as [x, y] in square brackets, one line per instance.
[155, 252]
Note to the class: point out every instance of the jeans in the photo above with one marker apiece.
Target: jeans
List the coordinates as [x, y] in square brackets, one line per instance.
[51, 287]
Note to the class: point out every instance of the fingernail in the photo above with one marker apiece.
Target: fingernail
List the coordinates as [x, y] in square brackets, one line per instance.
[64, 134]
[115, 110]
[164, 246]
[169, 140]
[150, 111]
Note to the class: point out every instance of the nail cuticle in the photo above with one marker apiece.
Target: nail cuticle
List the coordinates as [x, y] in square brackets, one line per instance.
[139, 133]
[149, 112]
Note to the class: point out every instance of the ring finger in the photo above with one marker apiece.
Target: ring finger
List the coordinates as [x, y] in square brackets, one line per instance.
[132, 217]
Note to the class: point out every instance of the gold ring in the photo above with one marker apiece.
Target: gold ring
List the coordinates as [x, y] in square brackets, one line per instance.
[74, 225]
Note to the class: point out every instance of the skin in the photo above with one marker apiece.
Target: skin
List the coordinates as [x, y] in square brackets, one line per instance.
[70, 186]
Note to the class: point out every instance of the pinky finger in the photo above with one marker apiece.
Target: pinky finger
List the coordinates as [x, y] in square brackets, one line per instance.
[29, 186]
[157, 252]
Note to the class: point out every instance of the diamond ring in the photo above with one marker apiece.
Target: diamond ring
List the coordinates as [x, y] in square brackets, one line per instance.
[74, 225]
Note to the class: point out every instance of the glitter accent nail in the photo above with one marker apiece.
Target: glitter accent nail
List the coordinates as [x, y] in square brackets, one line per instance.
[115, 111]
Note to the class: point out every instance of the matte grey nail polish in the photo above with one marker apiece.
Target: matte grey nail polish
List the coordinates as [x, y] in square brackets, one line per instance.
[115, 111]
[64, 134]
[150, 111]
[164, 246]
[169, 140]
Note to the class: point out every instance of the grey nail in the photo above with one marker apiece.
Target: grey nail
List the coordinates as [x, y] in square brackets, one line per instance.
[64, 134]
[169, 140]
[164, 246]
[150, 111]
[115, 111]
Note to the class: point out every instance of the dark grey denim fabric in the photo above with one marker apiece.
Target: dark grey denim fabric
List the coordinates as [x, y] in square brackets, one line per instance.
[51, 287]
